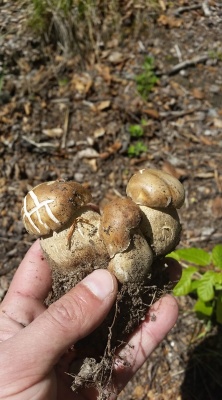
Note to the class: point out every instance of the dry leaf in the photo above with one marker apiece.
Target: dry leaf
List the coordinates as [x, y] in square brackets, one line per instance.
[169, 21]
[24, 65]
[53, 133]
[218, 122]
[99, 132]
[82, 83]
[206, 140]
[176, 172]
[162, 5]
[104, 71]
[27, 108]
[102, 106]
[92, 163]
[152, 113]
[116, 57]
[198, 94]
[116, 146]
[88, 153]
[179, 89]
[216, 207]
[139, 392]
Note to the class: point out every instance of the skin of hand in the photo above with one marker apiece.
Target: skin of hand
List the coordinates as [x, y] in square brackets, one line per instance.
[34, 341]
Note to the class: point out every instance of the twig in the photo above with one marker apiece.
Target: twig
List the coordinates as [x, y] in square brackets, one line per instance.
[187, 64]
[65, 129]
[178, 114]
[39, 145]
[179, 55]
[205, 7]
[181, 10]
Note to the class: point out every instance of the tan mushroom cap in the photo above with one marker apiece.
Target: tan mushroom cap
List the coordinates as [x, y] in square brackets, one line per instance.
[134, 264]
[154, 188]
[51, 204]
[161, 228]
[118, 218]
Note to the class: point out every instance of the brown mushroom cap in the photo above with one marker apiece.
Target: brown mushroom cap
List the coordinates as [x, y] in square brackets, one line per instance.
[118, 218]
[49, 205]
[154, 188]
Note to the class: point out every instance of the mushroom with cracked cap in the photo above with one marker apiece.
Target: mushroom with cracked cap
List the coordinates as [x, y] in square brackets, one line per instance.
[125, 239]
[50, 205]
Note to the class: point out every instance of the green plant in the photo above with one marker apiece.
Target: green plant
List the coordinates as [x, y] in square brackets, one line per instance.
[147, 79]
[134, 150]
[136, 131]
[55, 20]
[63, 81]
[202, 277]
[215, 55]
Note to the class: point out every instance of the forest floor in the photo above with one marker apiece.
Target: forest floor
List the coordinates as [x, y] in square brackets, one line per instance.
[71, 116]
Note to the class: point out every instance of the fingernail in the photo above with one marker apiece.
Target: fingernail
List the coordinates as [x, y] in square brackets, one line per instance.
[100, 283]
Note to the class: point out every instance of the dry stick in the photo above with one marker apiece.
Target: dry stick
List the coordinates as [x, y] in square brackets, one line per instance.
[65, 129]
[187, 63]
[39, 145]
[206, 9]
[204, 6]
[179, 114]
[181, 10]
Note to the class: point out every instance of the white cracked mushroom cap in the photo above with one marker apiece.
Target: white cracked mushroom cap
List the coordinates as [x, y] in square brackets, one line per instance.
[51, 204]
[154, 188]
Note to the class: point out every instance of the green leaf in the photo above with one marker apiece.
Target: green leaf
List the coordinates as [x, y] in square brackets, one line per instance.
[205, 288]
[194, 285]
[183, 287]
[203, 308]
[218, 278]
[195, 256]
[219, 309]
[136, 131]
[217, 255]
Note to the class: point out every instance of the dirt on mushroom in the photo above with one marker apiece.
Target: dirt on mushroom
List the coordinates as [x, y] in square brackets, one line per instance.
[128, 241]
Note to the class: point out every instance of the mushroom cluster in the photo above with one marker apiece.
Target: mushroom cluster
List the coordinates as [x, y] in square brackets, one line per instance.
[125, 238]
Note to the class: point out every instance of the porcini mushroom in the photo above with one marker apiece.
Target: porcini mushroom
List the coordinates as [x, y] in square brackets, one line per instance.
[131, 256]
[118, 218]
[125, 239]
[158, 194]
[154, 188]
[51, 204]
[55, 209]
[133, 264]
[86, 250]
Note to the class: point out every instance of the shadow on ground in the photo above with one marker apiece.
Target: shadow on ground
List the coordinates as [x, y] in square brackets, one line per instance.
[203, 377]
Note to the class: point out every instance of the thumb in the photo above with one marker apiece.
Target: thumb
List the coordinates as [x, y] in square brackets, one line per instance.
[69, 319]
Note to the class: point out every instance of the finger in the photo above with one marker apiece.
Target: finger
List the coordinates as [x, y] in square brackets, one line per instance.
[29, 287]
[159, 320]
[75, 315]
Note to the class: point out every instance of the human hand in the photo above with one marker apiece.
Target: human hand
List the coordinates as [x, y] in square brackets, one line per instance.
[34, 340]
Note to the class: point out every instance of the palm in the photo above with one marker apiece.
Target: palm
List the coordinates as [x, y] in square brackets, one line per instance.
[33, 339]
